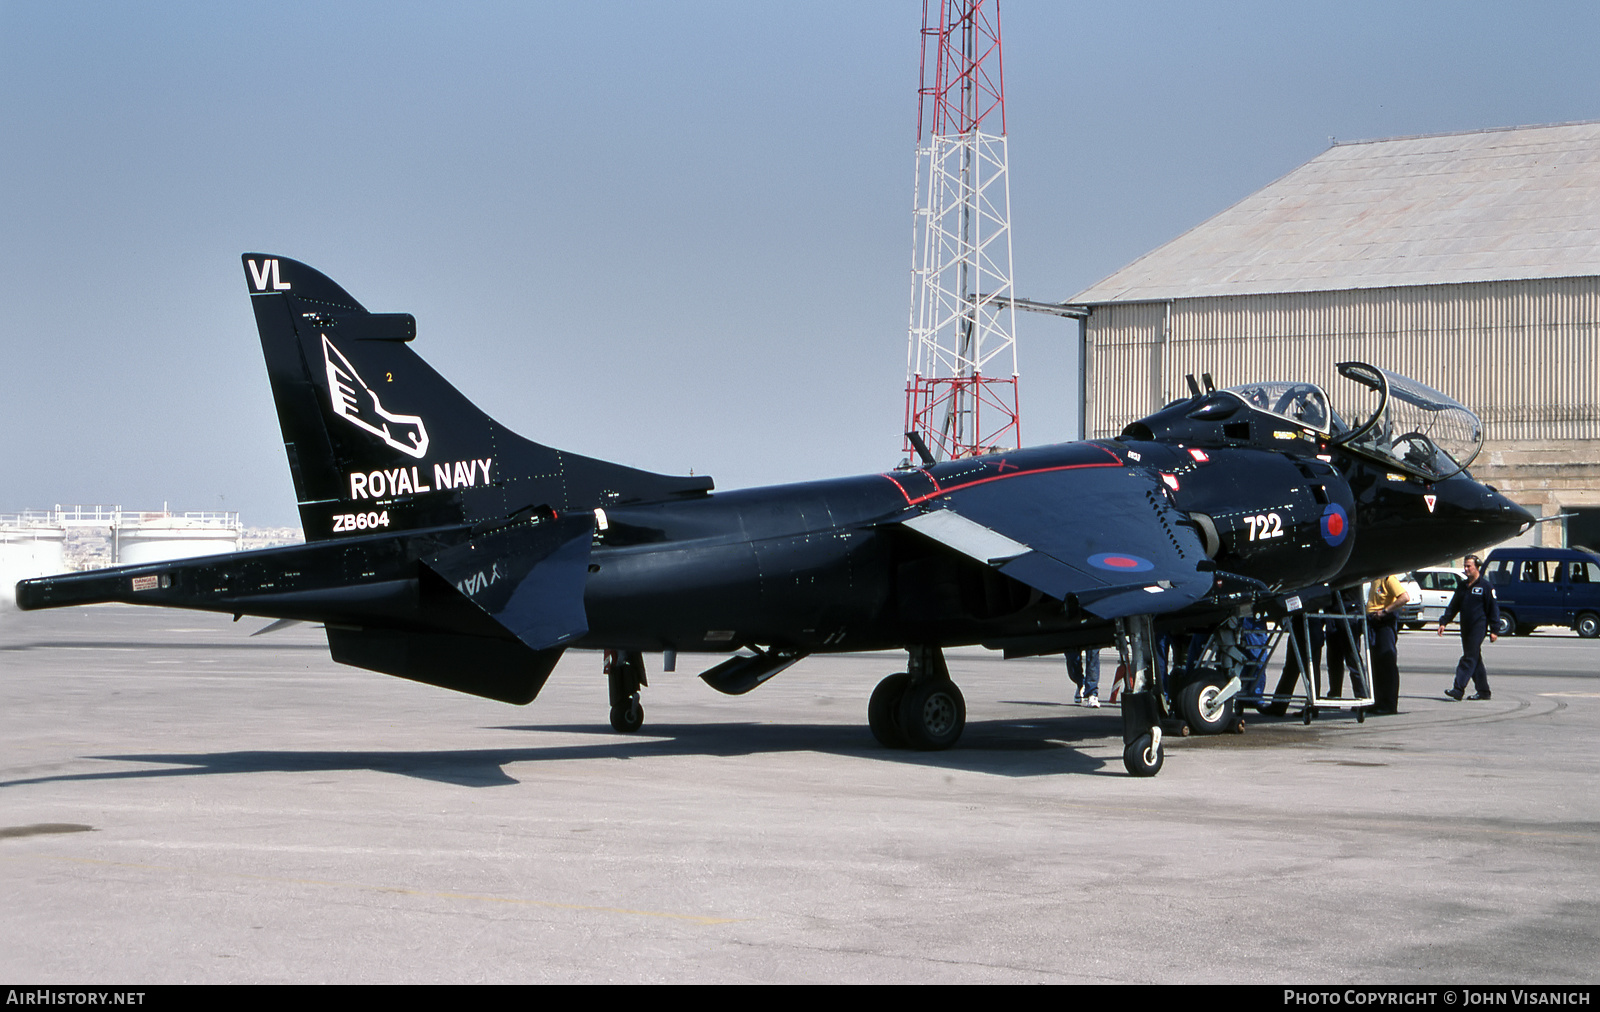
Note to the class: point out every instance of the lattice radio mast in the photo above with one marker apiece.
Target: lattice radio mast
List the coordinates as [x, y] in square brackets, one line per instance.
[963, 327]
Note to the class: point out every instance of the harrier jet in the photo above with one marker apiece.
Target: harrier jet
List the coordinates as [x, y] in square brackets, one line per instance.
[444, 548]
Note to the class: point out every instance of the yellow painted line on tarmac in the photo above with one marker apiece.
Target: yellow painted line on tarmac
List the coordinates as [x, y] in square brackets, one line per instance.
[398, 890]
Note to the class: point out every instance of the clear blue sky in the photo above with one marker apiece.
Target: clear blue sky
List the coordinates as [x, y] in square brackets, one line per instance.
[671, 234]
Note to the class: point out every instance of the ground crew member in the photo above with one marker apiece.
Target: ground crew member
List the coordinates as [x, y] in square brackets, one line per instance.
[1083, 667]
[1480, 612]
[1383, 619]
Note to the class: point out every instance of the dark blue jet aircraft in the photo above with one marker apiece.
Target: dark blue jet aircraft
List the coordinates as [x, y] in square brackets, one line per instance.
[444, 548]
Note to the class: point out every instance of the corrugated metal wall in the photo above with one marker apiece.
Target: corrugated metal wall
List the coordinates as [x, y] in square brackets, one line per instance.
[1522, 354]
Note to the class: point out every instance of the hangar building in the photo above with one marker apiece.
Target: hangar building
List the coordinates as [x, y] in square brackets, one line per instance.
[1470, 262]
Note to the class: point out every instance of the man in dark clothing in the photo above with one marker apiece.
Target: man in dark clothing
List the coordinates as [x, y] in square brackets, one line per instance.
[1300, 630]
[1341, 647]
[1383, 629]
[1474, 602]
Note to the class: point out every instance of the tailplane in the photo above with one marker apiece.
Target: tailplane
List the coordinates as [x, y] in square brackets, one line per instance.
[378, 441]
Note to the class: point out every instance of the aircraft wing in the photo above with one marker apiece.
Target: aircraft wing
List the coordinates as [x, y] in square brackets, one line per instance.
[1107, 535]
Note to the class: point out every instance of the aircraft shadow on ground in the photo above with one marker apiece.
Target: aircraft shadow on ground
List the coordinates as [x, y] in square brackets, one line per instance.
[1042, 747]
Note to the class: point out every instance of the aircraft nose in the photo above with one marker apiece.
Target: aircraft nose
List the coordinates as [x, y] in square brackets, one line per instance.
[1500, 512]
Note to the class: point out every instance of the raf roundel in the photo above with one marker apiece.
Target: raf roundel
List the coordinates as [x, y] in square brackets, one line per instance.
[1335, 524]
[1121, 562]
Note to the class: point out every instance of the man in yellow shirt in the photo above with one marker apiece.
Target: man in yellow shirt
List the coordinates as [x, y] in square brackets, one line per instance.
[1383, 624]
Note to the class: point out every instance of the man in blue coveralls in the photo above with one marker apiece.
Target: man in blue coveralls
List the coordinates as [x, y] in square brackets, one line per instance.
[1474, 601]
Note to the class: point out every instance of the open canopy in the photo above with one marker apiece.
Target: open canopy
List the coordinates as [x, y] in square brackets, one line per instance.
[1410, 424]
[1394, 419]
[1402, 424]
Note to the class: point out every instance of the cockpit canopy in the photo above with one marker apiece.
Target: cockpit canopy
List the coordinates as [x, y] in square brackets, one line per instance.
[1412, 424]
[1397, 421]
[1301, 403]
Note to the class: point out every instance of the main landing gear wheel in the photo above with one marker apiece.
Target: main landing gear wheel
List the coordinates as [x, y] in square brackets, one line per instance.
[1202, 712]
[932, 714]
[1143, 756]
[628, 717]
[883, 710]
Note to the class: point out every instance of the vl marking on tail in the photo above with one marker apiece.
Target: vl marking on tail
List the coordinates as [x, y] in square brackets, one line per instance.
[368, 413]
[260, 275]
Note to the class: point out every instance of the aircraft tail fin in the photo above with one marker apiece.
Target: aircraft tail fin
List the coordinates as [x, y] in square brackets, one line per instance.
[377, 440]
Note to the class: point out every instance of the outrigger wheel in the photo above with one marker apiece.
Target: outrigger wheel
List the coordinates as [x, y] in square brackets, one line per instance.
[1142, 752]
[624, 676]
[629, 717]
[1143, 756]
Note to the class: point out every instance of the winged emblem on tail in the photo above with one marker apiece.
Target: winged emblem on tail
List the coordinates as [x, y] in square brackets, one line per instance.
[356, 402]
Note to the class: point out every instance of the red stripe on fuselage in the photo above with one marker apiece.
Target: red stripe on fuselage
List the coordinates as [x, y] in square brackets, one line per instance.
[940, 490]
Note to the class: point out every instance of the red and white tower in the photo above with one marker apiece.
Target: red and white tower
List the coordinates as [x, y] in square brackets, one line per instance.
[961, 368]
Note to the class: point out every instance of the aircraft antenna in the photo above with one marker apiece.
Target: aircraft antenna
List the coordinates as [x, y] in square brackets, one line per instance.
[963, 313]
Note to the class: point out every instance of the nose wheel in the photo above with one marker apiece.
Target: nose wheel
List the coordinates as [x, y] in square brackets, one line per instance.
[1208, 708]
